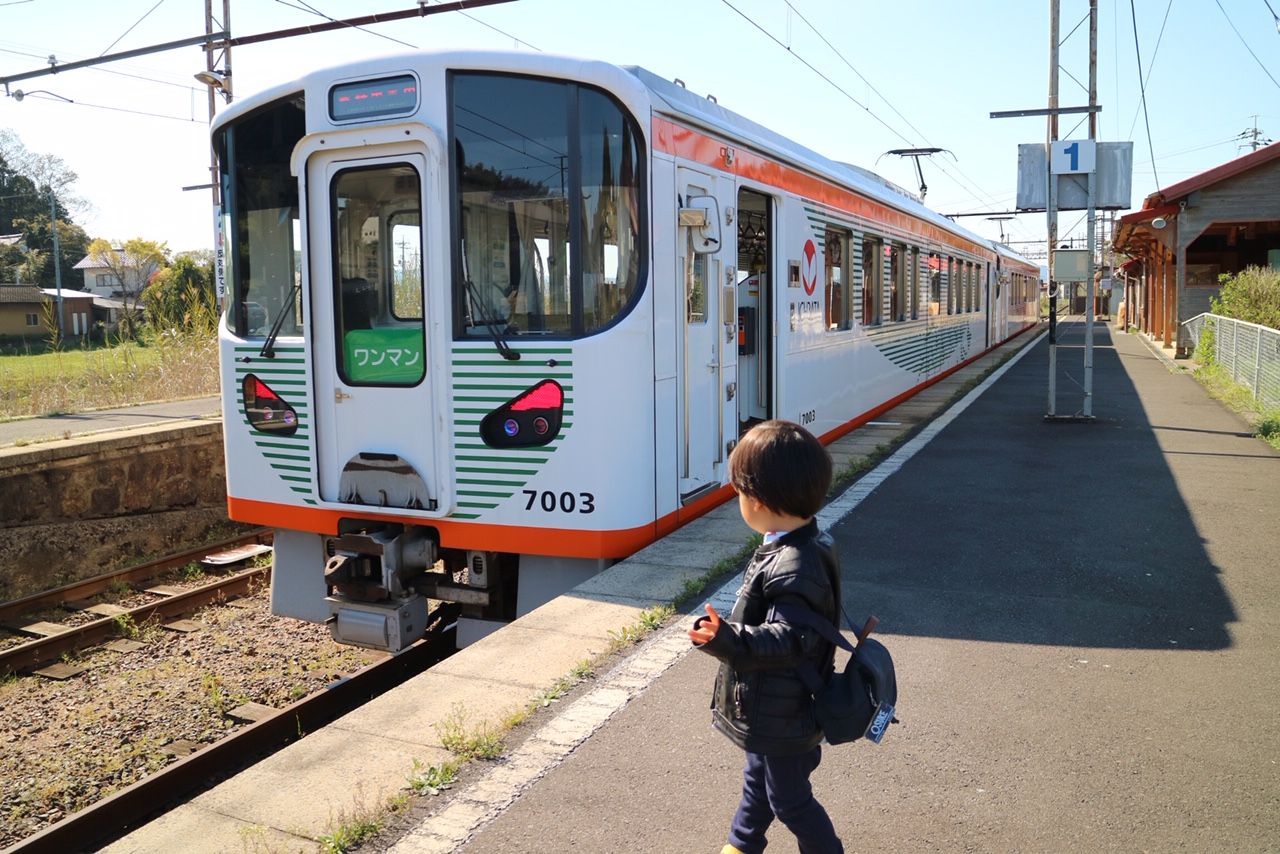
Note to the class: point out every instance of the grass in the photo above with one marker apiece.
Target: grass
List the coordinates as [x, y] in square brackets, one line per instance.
[350, 830]
[1265, 422]
[76, 380]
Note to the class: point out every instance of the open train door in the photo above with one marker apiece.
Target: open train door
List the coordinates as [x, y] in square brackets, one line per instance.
[375, 378]
[704, 254]
[754, 280]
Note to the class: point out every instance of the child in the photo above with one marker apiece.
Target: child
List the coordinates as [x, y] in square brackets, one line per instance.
[781, 473]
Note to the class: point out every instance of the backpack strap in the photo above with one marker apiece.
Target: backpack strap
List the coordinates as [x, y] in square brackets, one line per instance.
[793, 613]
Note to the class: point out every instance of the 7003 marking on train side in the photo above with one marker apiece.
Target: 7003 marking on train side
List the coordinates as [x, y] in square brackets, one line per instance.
[565, 502]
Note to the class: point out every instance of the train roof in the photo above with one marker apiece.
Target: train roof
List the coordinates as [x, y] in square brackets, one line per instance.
[668, 98]
[695, 109]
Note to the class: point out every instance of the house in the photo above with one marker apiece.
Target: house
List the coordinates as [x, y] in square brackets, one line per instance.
[22, 312]
[100, 280]
[1186, 235]
[26, 311]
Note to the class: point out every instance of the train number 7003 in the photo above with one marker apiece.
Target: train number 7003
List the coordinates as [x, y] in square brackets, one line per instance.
[565, 502]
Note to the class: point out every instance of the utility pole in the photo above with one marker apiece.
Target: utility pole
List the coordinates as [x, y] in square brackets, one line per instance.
[1051, 208]
[1093, 198]
[1252, 137]
[57, 256]
[217, 79]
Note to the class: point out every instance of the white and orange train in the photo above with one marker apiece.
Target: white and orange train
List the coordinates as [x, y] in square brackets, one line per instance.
[495, 320]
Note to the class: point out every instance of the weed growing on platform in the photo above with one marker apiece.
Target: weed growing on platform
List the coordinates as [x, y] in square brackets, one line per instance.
[695, 586]
[482, 741]
[650, 620]
[363, 824]
[1218, 382]
[432, 779]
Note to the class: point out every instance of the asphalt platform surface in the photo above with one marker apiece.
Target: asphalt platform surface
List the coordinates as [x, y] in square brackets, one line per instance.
[1085, 619]
[47, 427]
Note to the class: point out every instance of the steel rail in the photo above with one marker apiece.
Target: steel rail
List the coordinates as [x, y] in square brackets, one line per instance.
[108, 819]
[26, 657]
[87, 587]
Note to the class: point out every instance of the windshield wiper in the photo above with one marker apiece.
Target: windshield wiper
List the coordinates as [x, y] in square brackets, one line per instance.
[268, 350]
[488, 323]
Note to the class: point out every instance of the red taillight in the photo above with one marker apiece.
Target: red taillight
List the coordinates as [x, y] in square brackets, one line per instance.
[530, 418]
[266, 410]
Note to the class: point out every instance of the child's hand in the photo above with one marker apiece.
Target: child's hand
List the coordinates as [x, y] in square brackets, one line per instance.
[706, 627]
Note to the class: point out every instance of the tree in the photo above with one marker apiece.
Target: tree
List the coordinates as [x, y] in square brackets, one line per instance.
[182, 295]
[34, 187]
[73, 244]
[19, 198]
[132, 265]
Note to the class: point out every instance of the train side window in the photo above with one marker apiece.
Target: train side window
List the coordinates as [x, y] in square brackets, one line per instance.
[966, 289]
[896, 272]
[935, 284]
[836, 256]
[979, 285]
[950, 285]
[913, 282]
[872, 273]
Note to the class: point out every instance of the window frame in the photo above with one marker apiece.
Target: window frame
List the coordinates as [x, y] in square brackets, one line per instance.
[844, 321]
[577, 229]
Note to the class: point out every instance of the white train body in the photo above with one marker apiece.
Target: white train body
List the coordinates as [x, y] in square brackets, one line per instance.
[431, 354]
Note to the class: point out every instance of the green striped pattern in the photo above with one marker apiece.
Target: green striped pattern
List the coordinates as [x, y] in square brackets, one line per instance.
[924, 350]
[291, 457]
[482, 381]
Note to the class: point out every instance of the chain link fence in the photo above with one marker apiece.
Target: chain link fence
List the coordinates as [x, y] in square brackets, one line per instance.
[1248, 352]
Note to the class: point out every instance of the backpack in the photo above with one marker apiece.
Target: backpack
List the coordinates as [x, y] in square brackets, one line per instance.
[859, 701]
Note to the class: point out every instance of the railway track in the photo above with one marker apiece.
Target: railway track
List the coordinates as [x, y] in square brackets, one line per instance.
[54, 641]
[112, 817]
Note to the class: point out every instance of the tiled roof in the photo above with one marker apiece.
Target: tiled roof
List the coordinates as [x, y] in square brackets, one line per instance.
[15, 294]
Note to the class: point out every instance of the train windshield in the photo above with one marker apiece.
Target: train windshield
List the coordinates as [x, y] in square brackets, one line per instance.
[548, 223]
[261, 230]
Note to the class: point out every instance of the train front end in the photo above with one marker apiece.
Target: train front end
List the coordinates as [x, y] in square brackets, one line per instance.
[433, 264]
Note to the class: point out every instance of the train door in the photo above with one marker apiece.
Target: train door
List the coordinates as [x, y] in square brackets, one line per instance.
[375, 427]
[702, 245]
[755, 312]
[996, 294]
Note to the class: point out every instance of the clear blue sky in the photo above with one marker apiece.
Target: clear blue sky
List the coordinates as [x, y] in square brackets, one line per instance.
[898, 74]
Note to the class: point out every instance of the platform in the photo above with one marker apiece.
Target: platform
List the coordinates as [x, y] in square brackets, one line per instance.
[1084, 618]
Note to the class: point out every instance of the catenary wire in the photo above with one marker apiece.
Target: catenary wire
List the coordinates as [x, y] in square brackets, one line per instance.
[1245, 43]
[1142, 90]
[135, 23]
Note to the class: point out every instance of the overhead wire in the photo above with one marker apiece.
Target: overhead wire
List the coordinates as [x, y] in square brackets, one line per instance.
[1142, 89]
[844, 92]
[303, 6]
[1150, 68]
[1245, 43]
[503, 32]
[135, 23]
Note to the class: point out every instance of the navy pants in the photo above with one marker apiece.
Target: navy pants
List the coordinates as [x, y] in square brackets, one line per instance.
[778, 786]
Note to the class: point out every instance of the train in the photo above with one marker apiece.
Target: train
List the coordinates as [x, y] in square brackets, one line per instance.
[495, 320]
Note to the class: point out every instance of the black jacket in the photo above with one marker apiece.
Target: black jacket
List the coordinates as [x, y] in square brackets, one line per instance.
[759, 701]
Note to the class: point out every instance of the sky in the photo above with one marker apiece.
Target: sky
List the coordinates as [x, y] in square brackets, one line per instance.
[851, 79]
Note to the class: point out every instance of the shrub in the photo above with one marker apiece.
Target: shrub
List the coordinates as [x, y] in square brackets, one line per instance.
[1252, 295]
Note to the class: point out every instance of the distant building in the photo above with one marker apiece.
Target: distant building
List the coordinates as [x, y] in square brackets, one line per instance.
[100, 281]
[1191, 232]
[26, 311]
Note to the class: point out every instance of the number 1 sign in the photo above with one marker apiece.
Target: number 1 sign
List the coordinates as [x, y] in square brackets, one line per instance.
[1073, 156]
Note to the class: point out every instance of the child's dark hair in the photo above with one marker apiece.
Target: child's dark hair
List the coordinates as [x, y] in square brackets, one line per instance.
[781, 465]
